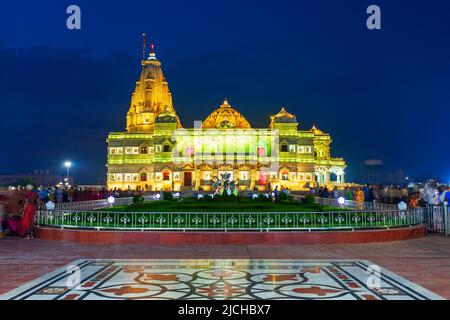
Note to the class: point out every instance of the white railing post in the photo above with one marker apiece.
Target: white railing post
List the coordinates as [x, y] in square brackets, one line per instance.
[446, 217]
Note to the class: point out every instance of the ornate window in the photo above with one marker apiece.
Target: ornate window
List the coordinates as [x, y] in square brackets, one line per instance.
[166, 175]
[262, 151]
[166, 148]
[244, 175]
[143, 176]
[189, 151]
[284, 147]
[144, 150]
[206, 175]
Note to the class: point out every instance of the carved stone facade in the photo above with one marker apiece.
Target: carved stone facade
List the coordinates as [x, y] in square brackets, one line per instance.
[157, 153]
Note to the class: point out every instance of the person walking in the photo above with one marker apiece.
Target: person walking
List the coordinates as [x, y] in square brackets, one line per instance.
[275, 192]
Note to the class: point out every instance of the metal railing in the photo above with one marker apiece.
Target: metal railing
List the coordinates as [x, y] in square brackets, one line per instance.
[350, 204]
[225, 221]
[97, 204]
[438, 219]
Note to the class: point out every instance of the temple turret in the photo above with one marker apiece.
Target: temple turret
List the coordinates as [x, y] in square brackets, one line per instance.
[150, 98]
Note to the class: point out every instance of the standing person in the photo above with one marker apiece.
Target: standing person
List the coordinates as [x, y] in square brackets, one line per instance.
[70, 194]
[43, 196]
[391, 194]
[2, 216]
[367, 193]
[375, 194]
[268, 186]
[335, 193]
[275, 192]
[23, 224]
[444, 195]
[359, 197]
[348, 195]
[59, 195]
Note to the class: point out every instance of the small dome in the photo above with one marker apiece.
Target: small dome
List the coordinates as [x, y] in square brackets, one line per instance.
[282, 117]
[316, 130]
[166, 117]
[225, 117]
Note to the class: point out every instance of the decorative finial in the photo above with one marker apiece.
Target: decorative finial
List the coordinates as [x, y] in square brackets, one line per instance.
[225, 103]
[152, 51]
[144, 44]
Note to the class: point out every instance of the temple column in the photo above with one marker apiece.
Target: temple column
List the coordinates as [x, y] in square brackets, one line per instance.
[252, 177]
[197, 180]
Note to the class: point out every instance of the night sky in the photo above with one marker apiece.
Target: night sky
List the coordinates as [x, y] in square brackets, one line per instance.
[380, 94]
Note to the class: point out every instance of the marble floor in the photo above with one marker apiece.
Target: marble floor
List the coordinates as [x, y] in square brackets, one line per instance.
[200, 279]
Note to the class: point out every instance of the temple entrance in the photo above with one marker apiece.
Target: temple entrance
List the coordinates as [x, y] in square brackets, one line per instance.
[187, 179]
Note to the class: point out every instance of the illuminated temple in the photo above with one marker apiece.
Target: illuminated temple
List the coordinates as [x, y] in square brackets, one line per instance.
[157, 153]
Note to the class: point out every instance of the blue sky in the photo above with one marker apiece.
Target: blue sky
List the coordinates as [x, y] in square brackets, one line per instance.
[380, 94]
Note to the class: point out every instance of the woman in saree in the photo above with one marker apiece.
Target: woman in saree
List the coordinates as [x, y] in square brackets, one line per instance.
[22, 225]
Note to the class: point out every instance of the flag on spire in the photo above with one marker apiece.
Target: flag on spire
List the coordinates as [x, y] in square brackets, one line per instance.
[144, 45]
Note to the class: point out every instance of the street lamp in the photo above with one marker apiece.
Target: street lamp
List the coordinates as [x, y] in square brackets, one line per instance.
[67, 165]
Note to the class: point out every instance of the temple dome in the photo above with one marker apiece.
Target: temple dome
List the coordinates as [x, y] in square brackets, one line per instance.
[225, 117]
[282, 117]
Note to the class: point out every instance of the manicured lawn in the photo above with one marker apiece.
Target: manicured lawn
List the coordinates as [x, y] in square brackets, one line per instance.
[245, 205]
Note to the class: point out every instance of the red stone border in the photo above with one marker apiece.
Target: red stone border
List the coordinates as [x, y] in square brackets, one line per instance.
[232, 238]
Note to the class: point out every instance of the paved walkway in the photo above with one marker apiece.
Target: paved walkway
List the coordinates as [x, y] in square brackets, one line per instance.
[424, 261]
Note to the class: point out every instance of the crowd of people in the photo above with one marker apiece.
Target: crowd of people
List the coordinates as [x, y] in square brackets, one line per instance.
[413, 196]
[18, 207]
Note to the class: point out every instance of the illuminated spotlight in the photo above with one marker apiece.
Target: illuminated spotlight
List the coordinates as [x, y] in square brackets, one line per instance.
[157, 196]
[50, 205]
[111, 200]
[255, 195]
[67, 164]
[402, 206]
[341, 200]
[200, 196]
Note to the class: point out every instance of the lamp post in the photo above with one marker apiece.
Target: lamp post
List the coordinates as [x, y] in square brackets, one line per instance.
[67, 165]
